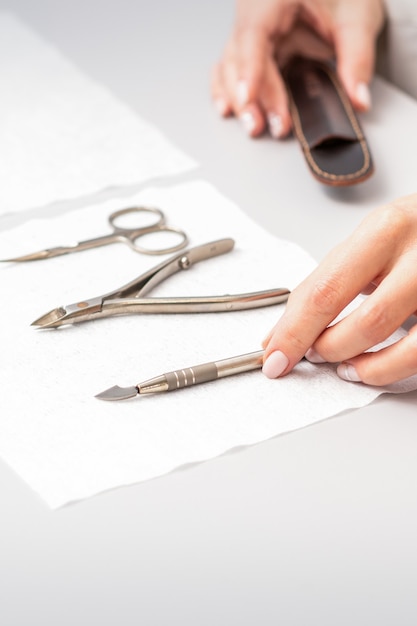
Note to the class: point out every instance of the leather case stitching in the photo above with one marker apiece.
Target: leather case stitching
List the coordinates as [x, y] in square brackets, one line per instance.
[355, 125]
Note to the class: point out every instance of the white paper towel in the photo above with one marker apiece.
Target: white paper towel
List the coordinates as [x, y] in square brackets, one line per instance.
[68, 445]
[62, 135]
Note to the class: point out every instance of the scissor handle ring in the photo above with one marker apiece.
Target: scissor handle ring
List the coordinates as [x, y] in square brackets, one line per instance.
[131, 241]
[136, 209]
[132, 235]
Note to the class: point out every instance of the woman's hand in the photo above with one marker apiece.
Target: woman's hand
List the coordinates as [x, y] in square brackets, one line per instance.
[379, 259]
[247, 81]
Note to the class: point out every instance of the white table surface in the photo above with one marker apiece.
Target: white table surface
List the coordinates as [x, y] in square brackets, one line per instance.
[315, 527]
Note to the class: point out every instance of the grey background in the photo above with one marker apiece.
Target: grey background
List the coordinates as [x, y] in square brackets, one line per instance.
[315, 527]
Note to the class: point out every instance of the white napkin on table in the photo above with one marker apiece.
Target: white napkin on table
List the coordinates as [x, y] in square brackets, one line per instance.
[62, 135]
[67, 444]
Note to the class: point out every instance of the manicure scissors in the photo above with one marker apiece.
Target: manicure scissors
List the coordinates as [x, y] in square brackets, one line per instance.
[128, 236]
[130, 298]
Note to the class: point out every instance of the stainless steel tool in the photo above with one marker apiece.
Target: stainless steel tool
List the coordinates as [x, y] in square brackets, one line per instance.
[120, 234]
[187, 377]
[129, 299]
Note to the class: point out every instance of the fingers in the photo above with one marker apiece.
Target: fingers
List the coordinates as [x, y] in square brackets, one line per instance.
[355, 32]
[373, 321]
[247, 84]
[389, 365]
[355, 59]
[319, 299]
[311, 307]
[219, 93]
[391, 236]
[230, 97]
[382, 251]
[274, 102]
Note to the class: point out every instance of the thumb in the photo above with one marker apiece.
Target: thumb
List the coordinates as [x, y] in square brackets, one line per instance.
[355, 44]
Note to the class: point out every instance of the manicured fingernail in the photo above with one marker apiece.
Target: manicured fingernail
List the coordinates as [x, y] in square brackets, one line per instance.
[221, 106]
[275, 125]
[275, 364]
[248, 122]
[314, 357]
[348, 372]
[242, 93]
[363, 95]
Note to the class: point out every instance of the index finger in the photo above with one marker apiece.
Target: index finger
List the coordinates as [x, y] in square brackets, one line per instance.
[319, 299]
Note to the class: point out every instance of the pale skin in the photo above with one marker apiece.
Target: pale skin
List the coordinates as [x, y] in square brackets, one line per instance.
[379, 259]
[247, 81]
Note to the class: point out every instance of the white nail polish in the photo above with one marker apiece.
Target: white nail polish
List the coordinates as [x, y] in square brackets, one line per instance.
[275, 364]
[275, 125]
[363, 95]
[348, 372]
[313, 356]
[242, 93]
[248, 122]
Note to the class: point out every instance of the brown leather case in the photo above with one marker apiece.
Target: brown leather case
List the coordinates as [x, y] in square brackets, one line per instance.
[326, 124]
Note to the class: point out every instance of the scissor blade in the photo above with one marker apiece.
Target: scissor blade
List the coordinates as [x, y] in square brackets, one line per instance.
[118, 393]
[34, 256]
[42, 254]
